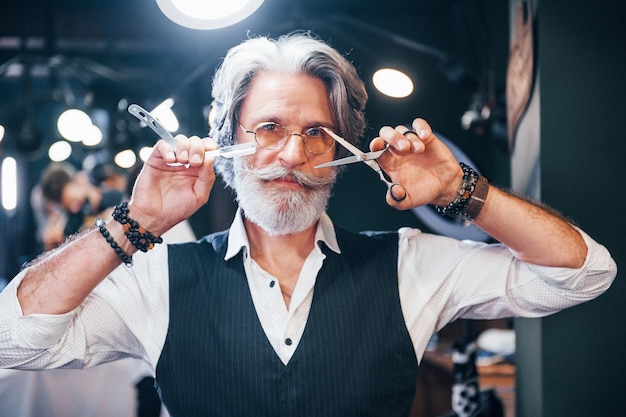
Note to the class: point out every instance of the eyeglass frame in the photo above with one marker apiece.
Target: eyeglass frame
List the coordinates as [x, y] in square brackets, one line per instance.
[288, 135]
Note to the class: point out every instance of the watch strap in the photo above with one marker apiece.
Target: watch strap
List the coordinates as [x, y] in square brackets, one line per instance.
[476, 200]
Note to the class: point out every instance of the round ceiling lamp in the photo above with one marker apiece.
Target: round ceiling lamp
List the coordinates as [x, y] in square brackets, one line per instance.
[208, 14]
[59, 151]
[125, 159]
[73, 123]
[392, 82]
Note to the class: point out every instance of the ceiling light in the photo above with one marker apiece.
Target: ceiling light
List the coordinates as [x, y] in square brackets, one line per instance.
[1, 133]
[59, 151]
[145, 152]
[9, 183]
[93, 136]
[125, 159]
[208, 14]
[73, 124]
[392, 83]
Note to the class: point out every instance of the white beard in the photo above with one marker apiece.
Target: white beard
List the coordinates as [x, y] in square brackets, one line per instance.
[277, 210]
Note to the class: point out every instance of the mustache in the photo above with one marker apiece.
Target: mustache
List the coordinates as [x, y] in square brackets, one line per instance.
[270, 173]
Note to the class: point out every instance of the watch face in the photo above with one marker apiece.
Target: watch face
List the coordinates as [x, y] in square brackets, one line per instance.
[520, 71]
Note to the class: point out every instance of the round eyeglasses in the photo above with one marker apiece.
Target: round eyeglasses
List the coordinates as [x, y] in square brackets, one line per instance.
[273, 136]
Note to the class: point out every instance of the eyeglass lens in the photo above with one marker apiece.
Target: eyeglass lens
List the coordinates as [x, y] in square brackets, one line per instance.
[272, 136]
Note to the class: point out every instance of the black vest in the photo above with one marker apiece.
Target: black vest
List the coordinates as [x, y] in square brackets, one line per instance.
[355, 357]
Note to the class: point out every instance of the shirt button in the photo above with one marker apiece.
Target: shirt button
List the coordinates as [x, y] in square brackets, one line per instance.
[272, 283]
[288, 341]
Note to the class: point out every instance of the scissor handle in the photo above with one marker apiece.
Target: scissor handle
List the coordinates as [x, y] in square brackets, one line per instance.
[391, 185]
[390, 188]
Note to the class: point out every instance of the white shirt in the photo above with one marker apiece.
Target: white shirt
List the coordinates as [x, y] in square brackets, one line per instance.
[440, 279]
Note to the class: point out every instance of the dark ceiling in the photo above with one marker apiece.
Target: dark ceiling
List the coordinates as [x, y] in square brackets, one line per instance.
[55, 53]
[454, 49]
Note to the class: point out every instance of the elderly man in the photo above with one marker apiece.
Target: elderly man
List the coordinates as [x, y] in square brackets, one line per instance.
[286, 313]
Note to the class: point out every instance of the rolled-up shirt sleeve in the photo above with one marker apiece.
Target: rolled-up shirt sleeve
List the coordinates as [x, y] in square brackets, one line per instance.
[37, 331]
[443, 279]
[23, 338]
[125, 316]
[586, 283]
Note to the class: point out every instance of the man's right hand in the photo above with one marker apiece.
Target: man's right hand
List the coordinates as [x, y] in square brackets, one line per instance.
[165, 193]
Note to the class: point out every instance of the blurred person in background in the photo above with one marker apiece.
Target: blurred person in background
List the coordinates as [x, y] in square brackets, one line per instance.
[72, 202]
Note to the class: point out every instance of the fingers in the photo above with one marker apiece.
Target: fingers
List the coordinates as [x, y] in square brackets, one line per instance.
[416, 160]
[405, 140]
[175, 180]
[189, 151]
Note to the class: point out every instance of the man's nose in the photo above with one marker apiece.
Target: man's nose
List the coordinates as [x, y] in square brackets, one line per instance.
[294, 151]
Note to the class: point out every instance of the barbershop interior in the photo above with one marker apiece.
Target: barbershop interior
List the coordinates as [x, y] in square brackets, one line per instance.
[529, 92]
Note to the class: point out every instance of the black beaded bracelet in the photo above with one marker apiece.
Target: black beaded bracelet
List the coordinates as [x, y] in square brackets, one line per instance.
[140, 238]
[458, 206]
[128, 260]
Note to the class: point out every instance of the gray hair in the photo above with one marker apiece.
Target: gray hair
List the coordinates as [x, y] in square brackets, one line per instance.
[299, 53]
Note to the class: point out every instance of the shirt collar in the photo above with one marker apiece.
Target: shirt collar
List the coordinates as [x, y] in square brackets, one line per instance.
[238, 239]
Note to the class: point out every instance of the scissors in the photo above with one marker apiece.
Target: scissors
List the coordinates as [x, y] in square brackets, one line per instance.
[225, 151]
[369, 158]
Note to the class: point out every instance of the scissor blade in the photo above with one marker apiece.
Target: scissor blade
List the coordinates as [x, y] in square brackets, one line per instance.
[364, 157]
[343, 161]
[369, 158]
[343, 142]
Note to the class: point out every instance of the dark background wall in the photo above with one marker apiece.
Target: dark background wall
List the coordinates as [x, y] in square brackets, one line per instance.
[573, 363]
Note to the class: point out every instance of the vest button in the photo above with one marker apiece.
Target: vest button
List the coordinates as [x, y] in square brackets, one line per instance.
[288, 341]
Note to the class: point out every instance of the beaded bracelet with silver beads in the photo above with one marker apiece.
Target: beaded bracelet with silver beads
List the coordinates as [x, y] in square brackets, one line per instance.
[458, 206]
[128, 260]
